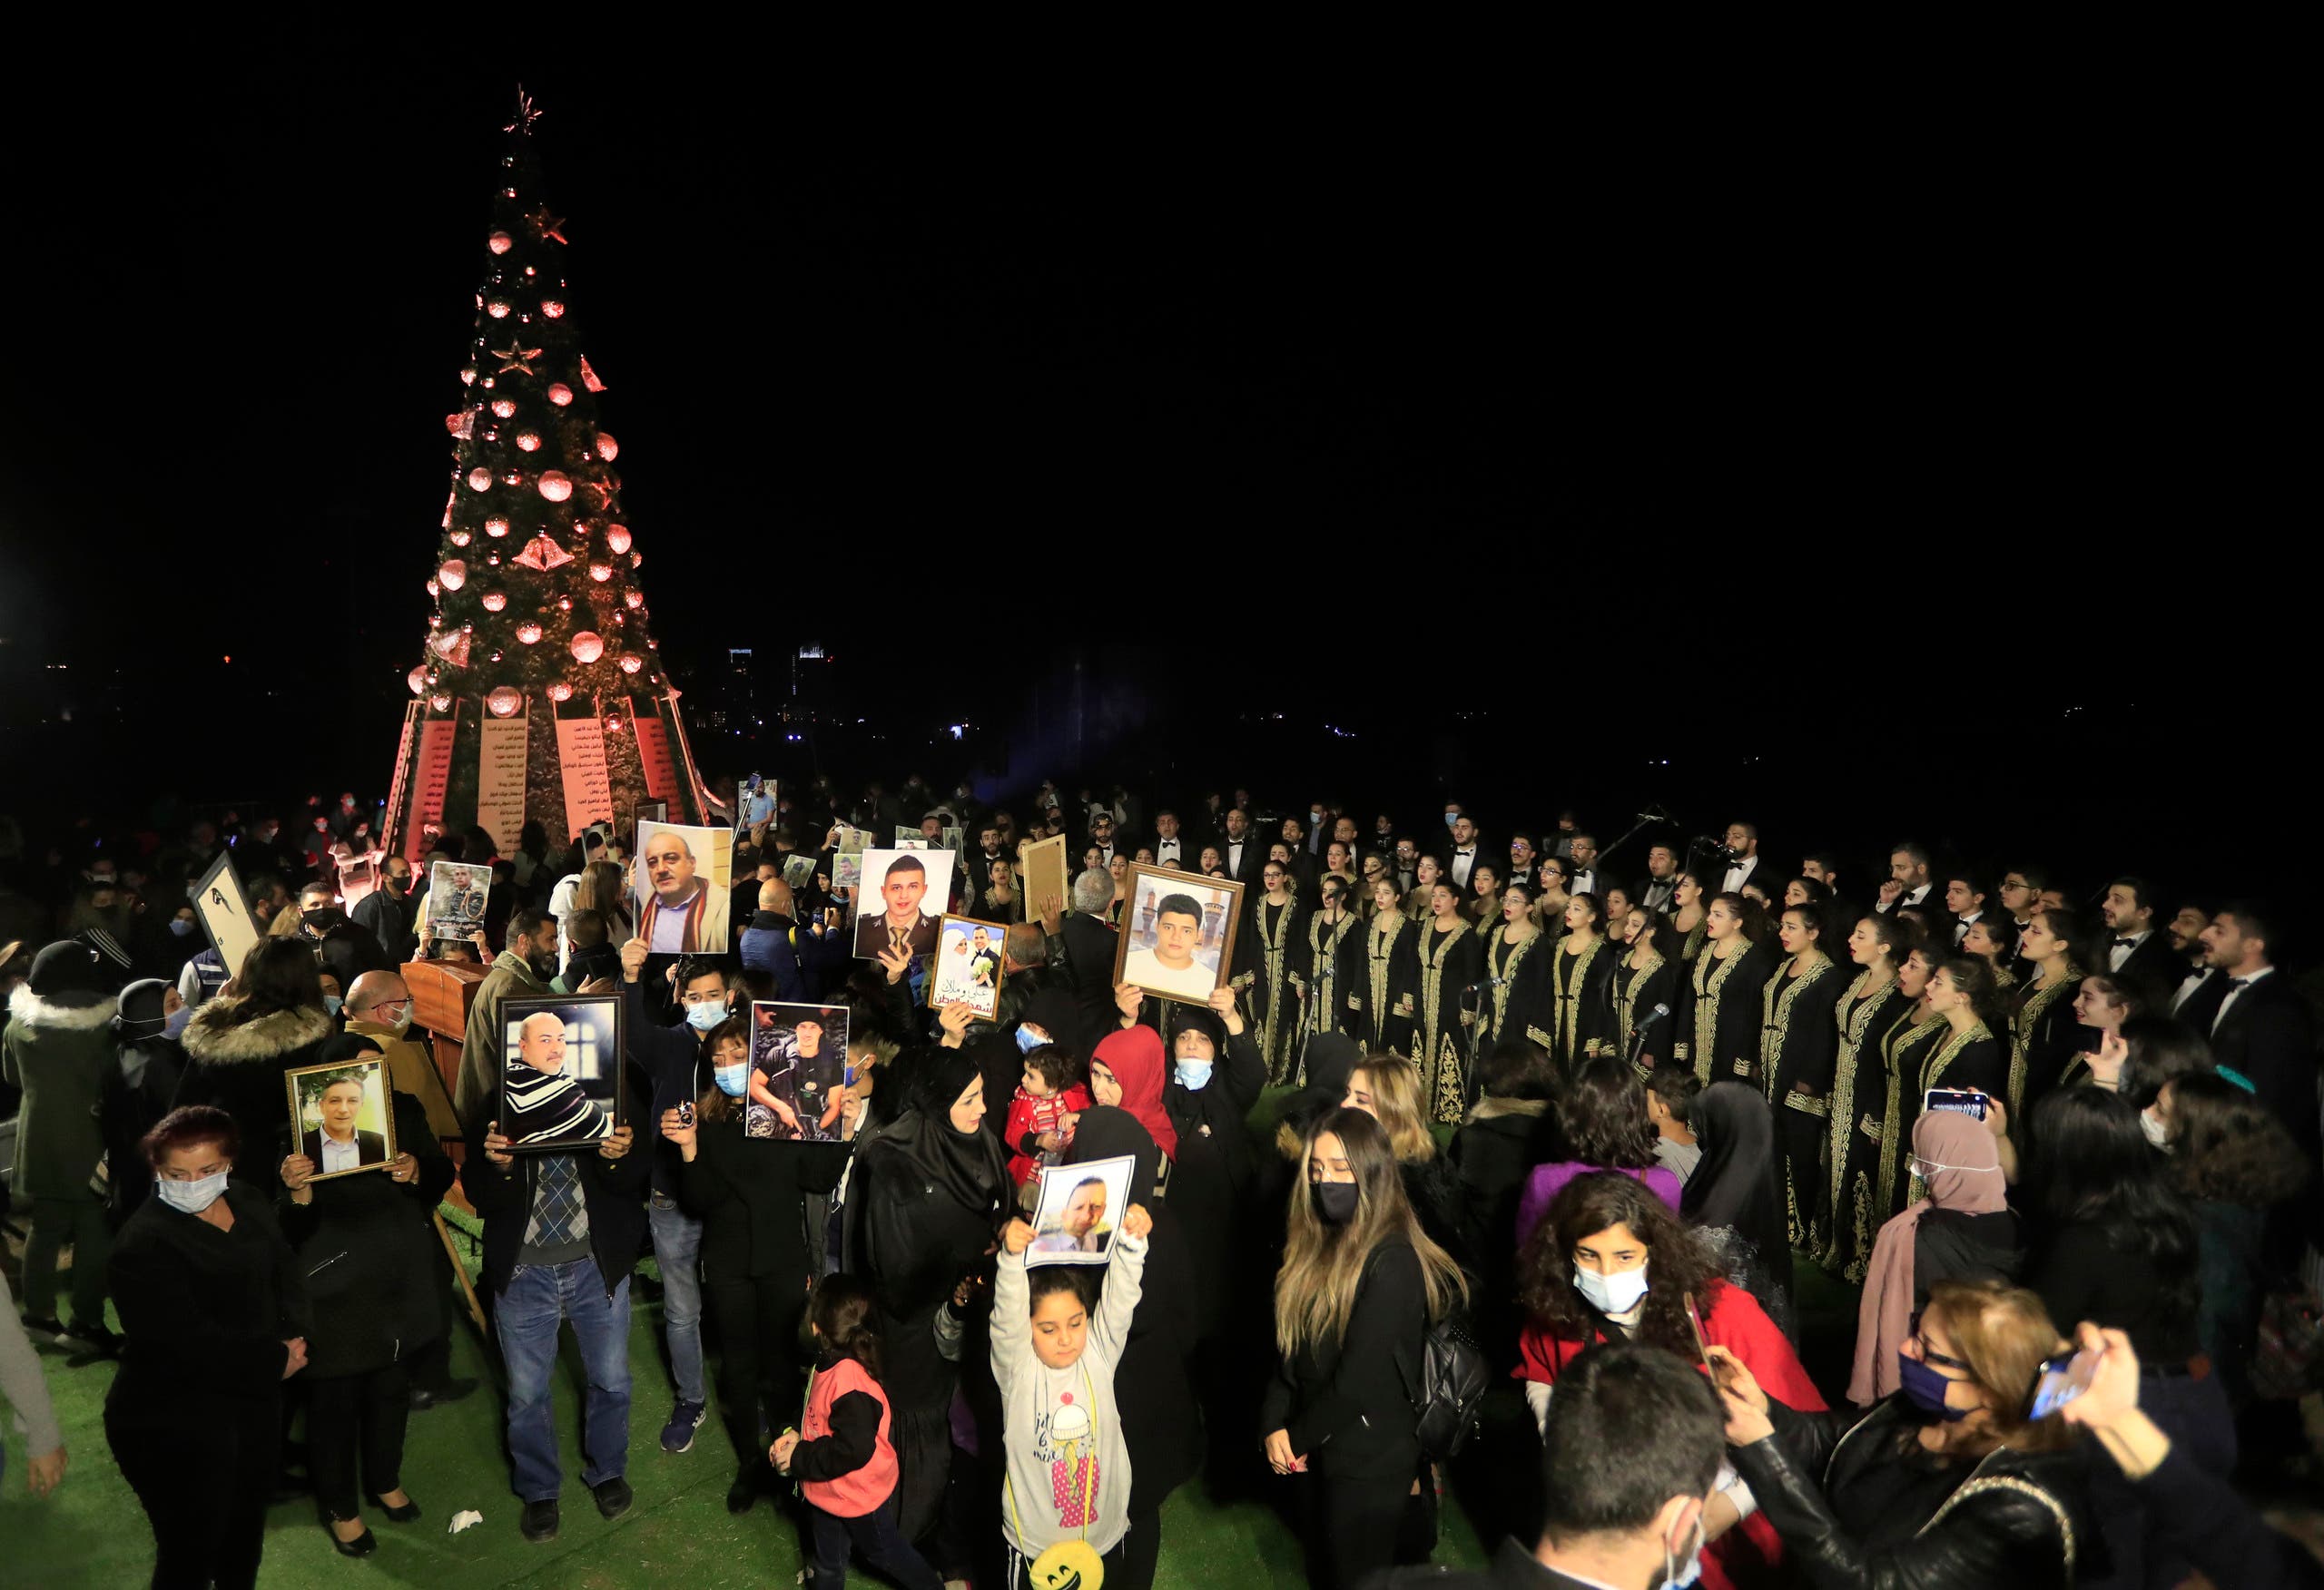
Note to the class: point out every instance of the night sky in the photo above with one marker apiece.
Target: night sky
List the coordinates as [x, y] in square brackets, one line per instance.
[1413, 397]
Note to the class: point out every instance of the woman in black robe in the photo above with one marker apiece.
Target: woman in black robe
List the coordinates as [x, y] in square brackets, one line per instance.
[1582, 969]
[1799, 1045]
[1514, 966]
[1383, 1000]
[1646, 979]
[1866, 1007]
[1720, 1038]
[1449, 959]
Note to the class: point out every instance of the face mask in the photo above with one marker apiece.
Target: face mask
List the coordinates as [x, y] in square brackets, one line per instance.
[322, 918]
[401, 1024]
[731, 1079]
[1611, 1294]
[702, 1017]
[1029, 1040]
[174, 1022]
[2158, 1132]
[191, 1197]
[1674, 1578]
[1924, 1388]
[1451, 818]
[331, 1002]
[180, 927]
[1194, 1074]
[1334, 1201]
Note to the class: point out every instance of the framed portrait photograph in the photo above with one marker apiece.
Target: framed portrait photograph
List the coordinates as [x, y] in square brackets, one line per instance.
[894, 905]
[968, 966]
[457, 891]
[1080, 1208]
[1177, 933]
[681, 886]
[224, 912]
[560, 1072]
[341, 1117]
[1042, 864]
[798, 1071]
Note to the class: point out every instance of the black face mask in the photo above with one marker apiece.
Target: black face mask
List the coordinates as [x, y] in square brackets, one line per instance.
[322, 920]
[1334, 1201]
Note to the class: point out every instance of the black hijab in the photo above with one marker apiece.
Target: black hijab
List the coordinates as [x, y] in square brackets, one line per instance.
[969, 1165]
[1108, 1132]
[1734, 1185]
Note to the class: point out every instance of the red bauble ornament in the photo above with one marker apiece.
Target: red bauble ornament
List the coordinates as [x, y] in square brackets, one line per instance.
[434, 589]
[552, 307]
[528, 631]
[588, 646]
[500, 242]
[454, 574]
[480, 478]
[560, 691]
[555, 485]
[494, 601]
[559, 393]
[504, 701]
[530, 442]
[632, 664]
[613, 724]
[440, 701]
[468, 377]
[503, 406]
[617, 537]
[637, 599]
[497, 309]
[417, 680]
[565, 604]
[495, 527]
[462, 538]
[601, 572]
[607, 449]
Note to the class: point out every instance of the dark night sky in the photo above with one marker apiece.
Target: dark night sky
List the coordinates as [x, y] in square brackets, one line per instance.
[1410, 385]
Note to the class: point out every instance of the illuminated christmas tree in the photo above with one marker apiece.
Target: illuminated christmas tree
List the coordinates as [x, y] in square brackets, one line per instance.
[541, 696]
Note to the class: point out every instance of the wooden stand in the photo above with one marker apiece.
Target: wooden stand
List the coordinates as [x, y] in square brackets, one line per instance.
[441, 993]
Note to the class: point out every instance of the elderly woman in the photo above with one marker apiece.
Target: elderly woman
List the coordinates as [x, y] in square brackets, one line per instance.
[215, 1317]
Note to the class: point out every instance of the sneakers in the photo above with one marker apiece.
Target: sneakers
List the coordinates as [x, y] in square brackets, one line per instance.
[540, 1520]
[613, 1496]
[686, 1418]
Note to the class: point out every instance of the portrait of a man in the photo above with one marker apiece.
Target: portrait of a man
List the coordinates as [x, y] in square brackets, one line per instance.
[1178, 933]
[798, 1071]
[1076, 1214]
[340, 1117]
[683, 891]
[561, 1081]
[898, 885]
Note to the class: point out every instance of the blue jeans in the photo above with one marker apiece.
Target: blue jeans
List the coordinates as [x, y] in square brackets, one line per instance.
[539, 1298]
[874, 1537]
[677, 1253]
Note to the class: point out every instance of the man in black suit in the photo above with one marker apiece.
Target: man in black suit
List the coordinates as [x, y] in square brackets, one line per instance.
[1244, 853]
[1609, 1523]
[1090, 942]
[336, 1145]
[2139, 951]
[1172, 848]
[1661, 881]
[1465, 851]
[2260, 1028]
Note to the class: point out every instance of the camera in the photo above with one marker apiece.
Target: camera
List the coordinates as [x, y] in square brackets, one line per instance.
[686, 1113]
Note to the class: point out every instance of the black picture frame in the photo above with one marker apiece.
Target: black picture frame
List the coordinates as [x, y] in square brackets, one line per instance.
[592, 1044]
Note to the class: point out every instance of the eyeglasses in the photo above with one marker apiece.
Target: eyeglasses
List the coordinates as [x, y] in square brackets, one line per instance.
[1929, 1355]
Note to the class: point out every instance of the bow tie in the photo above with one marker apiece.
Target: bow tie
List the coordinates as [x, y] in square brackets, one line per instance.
[1465, 851]
[2124, 943]
[2237, 984]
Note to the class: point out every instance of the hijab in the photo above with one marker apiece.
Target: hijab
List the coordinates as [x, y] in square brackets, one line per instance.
[1055, 1013]
[1134, 1054]
[138, 1010]
[1107, 1132]
[1734, 1185]
[969, 1165]
[1970, 1181]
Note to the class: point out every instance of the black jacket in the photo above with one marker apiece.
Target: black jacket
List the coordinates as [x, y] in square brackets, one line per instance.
[751, 1196]
[1089, 945]
[205, 1312]
[237, 1064]
[2265, 1037]
[613, 1191]
[367, 1255]
[1346, 1405]
[2016, 1519]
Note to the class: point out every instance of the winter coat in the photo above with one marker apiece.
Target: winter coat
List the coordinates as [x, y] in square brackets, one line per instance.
[484, 1047]
[59, 1050]
[366, 1254]
[236, 1061]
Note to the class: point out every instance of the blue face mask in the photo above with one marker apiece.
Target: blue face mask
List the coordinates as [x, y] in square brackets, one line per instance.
[174, 1022]
[1451, 818]
[180, 927]
[702, 1017]
[331, 1002]
[731, 1080]
[1924, 1389]
[1194, 1075]
[1028, 1040]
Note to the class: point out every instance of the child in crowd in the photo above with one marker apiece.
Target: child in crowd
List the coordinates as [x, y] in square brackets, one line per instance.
[843, 1462]
[1041, 1114]
[1068, 1487]
[1671, 1092]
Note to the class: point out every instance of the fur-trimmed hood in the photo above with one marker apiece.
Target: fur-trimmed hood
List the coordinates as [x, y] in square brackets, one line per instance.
[64, 1011]
[216, 1036]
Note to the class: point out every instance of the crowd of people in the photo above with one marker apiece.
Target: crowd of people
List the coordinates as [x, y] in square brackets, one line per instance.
[1457, 1101]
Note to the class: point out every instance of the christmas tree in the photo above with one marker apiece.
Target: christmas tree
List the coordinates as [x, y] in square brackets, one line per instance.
[541, 697]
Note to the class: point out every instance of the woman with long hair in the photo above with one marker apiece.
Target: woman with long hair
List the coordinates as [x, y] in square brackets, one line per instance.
[1380, 1003]
[1722, 1030]
[1277, 920]
[2157, 1049]
[1582, 969]
[1905, 1049]
[1387, 1089]
[1514, 966]
[1992, 939]
[1646, 980]
[2233, 1162]
[1733, 1200]
[1948, 1485]
[1324, 964]
[1859, 1092]
[2044, 1036]
[748, 1192]
[1552, 875]
[1689, 916]
[1610, 1262]
[2102, 1005]
[603, 889]
[1360, 1283]
[2115, 1245]
[1484, 890]
[1117, 868]
[1449, 959]
[239, 1045]
[1426, 871]
[1798, 1050]
[1603, 1124]
[1001, 902]
[1616, 900]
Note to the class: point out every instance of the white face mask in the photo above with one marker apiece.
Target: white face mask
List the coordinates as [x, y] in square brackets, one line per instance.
[2158, 1131]
[1674, 1576]
[1611, 1294]
[191, 1197]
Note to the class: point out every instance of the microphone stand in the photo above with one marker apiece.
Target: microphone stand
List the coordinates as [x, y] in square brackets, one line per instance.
[1647, 818]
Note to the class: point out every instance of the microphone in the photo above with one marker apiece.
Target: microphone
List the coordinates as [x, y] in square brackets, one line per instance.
[1638, 1039]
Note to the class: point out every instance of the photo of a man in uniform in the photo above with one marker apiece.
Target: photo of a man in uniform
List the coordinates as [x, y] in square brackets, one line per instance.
[900, 922]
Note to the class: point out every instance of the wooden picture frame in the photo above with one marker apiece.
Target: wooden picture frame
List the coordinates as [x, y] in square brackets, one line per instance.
[373, 1123]
[983, 997]
[1139, 947]
[1041, 870]
[589, 1053]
